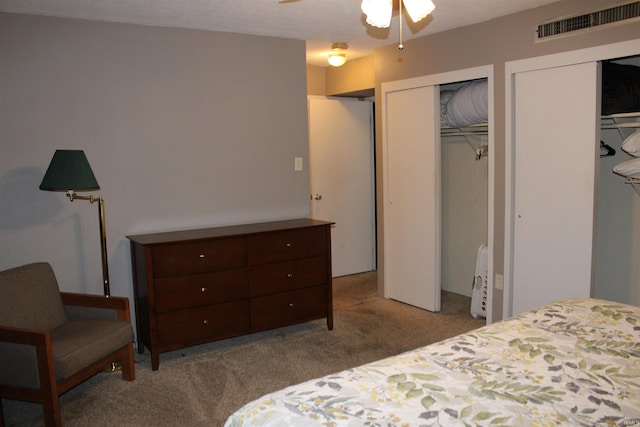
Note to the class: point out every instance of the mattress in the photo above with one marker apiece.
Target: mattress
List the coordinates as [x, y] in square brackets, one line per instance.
[573, 362]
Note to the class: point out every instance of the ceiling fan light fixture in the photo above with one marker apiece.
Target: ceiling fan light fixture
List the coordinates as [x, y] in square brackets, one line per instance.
[378, 12]
[418, 9]
[337, 58]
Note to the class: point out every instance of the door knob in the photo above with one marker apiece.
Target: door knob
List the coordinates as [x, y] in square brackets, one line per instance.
[316, 196]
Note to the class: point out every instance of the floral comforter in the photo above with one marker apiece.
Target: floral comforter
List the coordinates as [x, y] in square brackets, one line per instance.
[575, 362]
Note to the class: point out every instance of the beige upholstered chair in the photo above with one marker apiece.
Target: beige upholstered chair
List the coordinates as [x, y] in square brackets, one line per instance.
[51, 341]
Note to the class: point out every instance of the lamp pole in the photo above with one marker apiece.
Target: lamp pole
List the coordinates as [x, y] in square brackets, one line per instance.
[103, 236]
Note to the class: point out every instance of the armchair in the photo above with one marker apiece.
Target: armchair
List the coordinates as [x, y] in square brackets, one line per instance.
[51, 341]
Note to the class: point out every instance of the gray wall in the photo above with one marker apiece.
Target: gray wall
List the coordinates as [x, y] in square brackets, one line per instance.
[464, 211]
[183, 129]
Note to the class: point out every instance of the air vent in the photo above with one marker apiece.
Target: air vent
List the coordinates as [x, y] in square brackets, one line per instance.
[590, 20]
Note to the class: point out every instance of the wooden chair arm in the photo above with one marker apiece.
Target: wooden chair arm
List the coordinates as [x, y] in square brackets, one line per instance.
[44, 379]
[24, 336]
[121, 304]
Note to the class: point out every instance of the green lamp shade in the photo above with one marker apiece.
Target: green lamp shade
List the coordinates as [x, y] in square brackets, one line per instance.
[69, 170]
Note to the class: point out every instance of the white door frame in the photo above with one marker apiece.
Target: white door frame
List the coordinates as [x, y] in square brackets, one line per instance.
[598, 53]
[485, 71]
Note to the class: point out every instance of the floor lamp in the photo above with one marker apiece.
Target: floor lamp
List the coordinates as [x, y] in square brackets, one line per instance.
[70, 171]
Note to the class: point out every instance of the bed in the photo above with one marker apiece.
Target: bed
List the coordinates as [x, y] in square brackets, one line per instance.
[574, 362]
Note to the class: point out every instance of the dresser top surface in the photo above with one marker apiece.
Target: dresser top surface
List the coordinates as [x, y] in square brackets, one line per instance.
[225, 231]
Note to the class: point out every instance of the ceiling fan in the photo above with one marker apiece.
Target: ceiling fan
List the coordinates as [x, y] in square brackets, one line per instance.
[379, 12]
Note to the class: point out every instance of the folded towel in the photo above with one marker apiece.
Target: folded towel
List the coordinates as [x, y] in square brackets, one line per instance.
[629, 168]
[631, 144]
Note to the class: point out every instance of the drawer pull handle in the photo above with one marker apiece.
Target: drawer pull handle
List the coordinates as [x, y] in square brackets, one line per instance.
[290, 276]
[290, 304]
[205, 322]
[203, 289]
[289, 245]
[201, 256]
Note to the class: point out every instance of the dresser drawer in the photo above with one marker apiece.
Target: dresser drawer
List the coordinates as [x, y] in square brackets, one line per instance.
[200, 256]
[287, 244]
[187, 327]
[288, 275]
[287, 308]
[200, 289]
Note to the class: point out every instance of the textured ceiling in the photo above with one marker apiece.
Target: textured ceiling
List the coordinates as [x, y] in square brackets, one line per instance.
[319, 22]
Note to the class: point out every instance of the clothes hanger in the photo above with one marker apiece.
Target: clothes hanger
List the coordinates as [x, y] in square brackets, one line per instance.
[606, 150]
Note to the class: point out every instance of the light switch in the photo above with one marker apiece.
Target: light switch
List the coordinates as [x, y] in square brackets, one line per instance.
[297, 164]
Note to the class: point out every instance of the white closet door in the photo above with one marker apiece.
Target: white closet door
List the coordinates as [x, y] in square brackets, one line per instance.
[554, 189]
[412, 203]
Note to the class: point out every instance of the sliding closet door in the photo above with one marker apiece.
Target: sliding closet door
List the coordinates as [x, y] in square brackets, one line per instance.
[412, 197]
[555, 154]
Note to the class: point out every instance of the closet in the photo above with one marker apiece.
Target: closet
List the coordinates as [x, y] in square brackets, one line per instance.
[464, 181]
[617, 240]
[571, 223]
[436, 189]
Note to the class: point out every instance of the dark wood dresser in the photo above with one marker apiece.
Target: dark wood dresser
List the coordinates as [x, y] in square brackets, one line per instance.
[196, 286]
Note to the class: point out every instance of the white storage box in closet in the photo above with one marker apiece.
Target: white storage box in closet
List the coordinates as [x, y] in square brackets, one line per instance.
[480, 280]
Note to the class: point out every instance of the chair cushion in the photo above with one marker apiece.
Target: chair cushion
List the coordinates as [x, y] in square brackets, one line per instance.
[31, 298]
[79, 343]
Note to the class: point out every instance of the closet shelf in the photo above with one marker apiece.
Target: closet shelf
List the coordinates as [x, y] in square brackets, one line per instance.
[620, 121]
[478, 129]
[635, 183]
[481, 129]
[633, 114]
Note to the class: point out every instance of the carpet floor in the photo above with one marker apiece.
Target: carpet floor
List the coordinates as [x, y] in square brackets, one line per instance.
[203, 385]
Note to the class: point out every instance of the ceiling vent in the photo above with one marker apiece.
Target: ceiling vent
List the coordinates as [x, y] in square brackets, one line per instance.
[612, 15]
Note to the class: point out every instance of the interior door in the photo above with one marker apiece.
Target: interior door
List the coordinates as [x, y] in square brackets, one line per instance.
[555, 161]
[412, 197]
[342, 176]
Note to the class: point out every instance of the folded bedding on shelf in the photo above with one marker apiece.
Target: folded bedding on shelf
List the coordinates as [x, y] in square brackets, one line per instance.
[631, 144]
[629, 168]
[620, 88]
[469, 104]
[445, 96]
